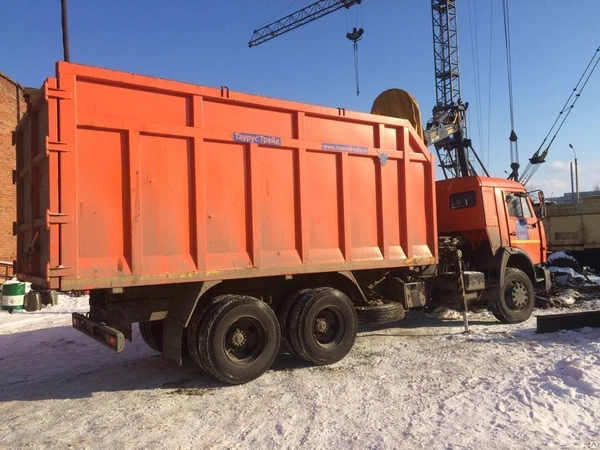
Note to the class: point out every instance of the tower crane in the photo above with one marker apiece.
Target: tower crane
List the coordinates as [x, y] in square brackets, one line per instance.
[298, 18]
[446, 130]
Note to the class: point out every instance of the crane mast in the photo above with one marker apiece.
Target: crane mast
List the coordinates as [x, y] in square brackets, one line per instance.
[445, 52]
[446, 130]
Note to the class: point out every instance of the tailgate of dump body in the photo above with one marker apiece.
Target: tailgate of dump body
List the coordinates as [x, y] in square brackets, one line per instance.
[128, 180]
[38, 197]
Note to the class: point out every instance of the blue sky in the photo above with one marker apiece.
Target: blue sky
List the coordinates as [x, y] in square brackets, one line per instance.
[205, 42]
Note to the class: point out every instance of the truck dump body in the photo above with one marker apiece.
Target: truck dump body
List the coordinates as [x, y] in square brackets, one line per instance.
[126, 180]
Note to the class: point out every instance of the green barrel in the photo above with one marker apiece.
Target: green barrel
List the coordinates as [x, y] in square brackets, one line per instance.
[13, 292]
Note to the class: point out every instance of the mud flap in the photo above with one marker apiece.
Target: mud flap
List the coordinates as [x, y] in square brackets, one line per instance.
[172, 339]
[542, 275]
[178, 318]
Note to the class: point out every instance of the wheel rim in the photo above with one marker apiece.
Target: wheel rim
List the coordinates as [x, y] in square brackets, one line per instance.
[245, 340]
[516, 295]
[329, 327]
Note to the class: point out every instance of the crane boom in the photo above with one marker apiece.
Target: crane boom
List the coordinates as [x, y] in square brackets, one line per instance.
[299, 18]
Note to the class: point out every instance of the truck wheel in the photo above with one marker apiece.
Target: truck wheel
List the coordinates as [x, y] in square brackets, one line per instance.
[323, 326]
[386, 313]
[514, 302]
[152, 334]
[237, 340]
[283, 317]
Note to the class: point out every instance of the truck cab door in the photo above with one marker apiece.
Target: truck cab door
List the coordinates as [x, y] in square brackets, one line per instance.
[523, 227]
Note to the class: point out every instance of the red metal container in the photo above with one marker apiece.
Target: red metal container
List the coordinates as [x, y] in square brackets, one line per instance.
[128, 180]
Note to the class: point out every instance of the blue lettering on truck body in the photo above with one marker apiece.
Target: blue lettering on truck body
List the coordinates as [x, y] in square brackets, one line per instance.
[344, 148]
[259, 139]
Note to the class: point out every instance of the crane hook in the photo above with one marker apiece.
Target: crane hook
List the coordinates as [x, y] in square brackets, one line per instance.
[355, 36]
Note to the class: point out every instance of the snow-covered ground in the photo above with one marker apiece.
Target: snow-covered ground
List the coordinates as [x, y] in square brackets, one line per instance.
[421, 384]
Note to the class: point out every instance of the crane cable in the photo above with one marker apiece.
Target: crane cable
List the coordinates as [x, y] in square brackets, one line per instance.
[576, 92]
[278, 14]
[489, 115]
[577, 95]
[355, 35]
[476, 65]
[356, 66]
[514, 146]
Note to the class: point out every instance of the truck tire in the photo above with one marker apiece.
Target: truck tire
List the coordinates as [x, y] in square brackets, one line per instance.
[386, 313]
[323, 326]
[237, 340]
[515, 300]
[152, 334]
[192, 332]
[283, 316]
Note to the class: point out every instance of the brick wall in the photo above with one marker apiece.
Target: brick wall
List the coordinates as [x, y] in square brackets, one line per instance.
[12, 107]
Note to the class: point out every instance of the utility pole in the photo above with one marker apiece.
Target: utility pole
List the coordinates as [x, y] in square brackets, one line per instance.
[572, 185]
[65, 29]
[576, 175]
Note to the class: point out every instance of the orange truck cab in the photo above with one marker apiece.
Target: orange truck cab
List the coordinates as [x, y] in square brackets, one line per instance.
[500, 235]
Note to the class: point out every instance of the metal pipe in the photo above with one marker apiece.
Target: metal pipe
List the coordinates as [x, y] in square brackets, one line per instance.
[65, 29]
[576, 181]
[572, 186]
[576, 176]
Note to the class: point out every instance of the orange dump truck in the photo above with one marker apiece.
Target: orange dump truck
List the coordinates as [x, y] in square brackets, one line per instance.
[229, 225]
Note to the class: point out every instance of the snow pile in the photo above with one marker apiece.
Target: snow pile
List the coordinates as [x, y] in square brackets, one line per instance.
[567, 271]
[419, 384]
[571, 377]
[565, 275]
[446, 313]
[559, 255]
[594, 279]
[66, 305]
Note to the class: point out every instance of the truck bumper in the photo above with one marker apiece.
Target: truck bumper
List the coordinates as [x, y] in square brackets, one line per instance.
[104, 334]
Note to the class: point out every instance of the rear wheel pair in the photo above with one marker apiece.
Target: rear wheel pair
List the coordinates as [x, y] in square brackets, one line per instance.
[318, 325]
[236, 338]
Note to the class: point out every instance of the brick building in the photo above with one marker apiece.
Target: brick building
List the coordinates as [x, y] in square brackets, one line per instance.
[12, 107]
